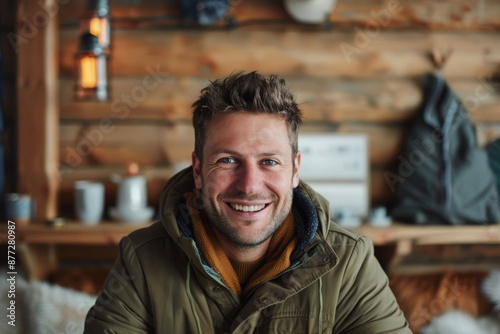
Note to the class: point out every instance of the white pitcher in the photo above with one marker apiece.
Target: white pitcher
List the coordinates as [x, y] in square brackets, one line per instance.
[132, 192]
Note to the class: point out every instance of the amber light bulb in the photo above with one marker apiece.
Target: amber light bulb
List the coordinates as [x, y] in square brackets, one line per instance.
[88, 67]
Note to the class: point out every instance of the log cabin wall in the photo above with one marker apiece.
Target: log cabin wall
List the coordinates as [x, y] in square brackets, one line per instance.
[361, 73]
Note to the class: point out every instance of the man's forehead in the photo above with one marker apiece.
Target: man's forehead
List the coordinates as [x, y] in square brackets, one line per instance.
[236, 131]
[256, 127]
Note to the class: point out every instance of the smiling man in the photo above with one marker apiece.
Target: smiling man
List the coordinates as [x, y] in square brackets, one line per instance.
[246, 174]
[243, 246]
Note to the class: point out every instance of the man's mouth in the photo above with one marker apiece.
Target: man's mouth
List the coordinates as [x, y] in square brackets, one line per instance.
[247, 208]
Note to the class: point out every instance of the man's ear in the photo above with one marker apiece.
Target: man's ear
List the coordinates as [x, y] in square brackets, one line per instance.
[196, 170]
[295, 179]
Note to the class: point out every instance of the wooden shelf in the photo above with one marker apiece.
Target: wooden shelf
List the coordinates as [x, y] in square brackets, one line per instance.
[74, 233]
[110, 233]
[405, 237]
[37, 242]
[432, 234]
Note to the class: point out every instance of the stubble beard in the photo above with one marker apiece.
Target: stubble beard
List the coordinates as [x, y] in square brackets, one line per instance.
[220, 222]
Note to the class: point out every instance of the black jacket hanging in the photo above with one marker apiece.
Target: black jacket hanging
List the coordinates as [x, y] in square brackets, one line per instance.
[444, 177]
[493, 151]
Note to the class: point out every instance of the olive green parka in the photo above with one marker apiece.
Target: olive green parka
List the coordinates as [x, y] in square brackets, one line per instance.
[160, 282]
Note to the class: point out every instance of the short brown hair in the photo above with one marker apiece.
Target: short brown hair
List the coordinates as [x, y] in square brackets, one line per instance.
[250, 92]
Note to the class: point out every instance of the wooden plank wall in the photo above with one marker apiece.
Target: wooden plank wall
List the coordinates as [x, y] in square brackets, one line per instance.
[38, 107]
[361, 73]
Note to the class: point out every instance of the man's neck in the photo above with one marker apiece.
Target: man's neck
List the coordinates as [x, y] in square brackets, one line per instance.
[242, 254]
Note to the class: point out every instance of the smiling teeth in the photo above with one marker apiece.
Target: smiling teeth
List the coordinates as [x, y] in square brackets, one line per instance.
[246, 208]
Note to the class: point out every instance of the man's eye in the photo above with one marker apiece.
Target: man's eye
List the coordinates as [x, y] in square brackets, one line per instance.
[269, 162]
[227, 160]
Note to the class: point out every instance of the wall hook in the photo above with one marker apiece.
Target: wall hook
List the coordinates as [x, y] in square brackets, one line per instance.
[440, 57]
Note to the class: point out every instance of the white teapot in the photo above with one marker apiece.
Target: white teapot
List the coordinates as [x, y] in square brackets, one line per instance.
[132, 197]
[132, 192]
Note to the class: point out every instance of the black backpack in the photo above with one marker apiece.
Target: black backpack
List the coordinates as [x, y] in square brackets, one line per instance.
[443, 176]
[493, 151]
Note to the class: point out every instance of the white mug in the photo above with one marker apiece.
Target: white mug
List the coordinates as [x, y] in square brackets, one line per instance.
[89, 201]
[18, 207]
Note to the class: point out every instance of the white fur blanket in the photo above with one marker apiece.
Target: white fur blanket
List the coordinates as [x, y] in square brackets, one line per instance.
[42, 308]
[458, 322]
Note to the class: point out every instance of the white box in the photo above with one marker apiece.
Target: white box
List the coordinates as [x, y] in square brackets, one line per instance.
[342, 157]
[346, 198]
[336, 166]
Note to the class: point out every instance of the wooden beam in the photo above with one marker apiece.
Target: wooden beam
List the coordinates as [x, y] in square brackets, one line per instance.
[38, 114]
[291, 52]
[321, 99]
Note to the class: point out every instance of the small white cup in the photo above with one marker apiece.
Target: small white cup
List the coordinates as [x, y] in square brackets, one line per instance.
[89, 201]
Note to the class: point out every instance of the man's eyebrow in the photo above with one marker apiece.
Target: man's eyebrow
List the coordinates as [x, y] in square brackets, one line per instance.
[223, 151]
[236, 153]
[270, 154]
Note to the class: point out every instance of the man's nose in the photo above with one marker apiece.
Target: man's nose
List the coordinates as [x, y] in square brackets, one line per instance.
[249, 179]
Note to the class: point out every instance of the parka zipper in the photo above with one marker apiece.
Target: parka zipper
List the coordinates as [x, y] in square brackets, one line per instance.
[234, 298]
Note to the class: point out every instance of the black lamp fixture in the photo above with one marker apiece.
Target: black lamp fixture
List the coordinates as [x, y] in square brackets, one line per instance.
[92, 71]
[93, 54]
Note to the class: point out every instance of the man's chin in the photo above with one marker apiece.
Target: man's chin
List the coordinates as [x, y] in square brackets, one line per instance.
[244, 234]
[247, 244]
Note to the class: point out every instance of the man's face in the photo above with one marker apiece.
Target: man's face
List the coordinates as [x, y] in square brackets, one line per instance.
[247, 176]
